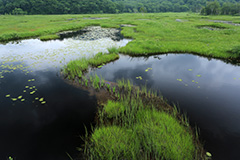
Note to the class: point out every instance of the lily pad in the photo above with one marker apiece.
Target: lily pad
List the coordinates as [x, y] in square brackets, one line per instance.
[32, 92]
[208, 154]
[43, 102]
[139, 77]
[14, 99]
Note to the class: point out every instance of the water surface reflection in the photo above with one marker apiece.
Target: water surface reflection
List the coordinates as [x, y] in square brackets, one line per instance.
[208, 90]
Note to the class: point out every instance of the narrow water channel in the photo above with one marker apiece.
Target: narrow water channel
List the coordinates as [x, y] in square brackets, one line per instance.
[207, 90]
[41, 116]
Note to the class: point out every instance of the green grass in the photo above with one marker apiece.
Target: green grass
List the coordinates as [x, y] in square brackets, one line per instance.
[114, 109]
[49, 37]
[139, 125]
[76, 68]
[161, 33]
[113, 142]
[161, 135]
[113, 50]
[131, 129]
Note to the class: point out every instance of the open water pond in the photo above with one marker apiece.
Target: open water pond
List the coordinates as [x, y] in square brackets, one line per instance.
[208, 90]
[41, 116]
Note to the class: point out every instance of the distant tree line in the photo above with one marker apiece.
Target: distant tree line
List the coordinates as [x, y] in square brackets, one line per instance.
[19, 7]
[227, 8]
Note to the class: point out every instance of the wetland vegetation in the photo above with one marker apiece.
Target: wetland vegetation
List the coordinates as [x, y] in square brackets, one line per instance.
[137, 119]
[157, 33]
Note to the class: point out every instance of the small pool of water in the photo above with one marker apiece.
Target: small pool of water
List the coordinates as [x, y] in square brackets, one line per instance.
[208, 90]
[54, 54]
[41, 116]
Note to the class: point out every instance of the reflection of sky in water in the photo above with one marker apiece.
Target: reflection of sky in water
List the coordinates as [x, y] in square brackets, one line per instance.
[41, 116]
[53, 54]
[207, 90]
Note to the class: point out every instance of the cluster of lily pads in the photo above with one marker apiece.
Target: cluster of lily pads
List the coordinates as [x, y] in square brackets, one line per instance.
[7, 68]
[146, 70]
[193, 81]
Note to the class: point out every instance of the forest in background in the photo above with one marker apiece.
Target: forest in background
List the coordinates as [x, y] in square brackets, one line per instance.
[205, 7]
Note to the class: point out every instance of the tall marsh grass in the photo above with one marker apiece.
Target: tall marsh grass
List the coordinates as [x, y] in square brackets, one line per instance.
[133, 128]
[76, 68]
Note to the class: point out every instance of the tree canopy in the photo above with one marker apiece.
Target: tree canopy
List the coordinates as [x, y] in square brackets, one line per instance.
[117, 6]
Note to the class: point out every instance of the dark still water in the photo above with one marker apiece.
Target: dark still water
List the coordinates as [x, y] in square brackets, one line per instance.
[41, 116]
[32, 130]
[208, 90]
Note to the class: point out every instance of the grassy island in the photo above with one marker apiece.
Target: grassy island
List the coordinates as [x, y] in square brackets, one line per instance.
[134, 122]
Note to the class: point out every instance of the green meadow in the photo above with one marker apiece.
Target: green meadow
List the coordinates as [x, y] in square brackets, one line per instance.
[152, 33]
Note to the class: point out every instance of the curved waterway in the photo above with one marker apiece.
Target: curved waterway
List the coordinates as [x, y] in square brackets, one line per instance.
[41, 116]
[208, 90]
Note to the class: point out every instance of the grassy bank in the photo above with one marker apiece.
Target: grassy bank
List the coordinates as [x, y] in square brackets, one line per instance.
[134, 123]
[74, 69]
[152, 33]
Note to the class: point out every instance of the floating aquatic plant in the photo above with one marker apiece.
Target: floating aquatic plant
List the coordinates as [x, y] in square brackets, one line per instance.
[32, 92]
[146, 70]
[208, 154]
[139, 77]
[14, 99]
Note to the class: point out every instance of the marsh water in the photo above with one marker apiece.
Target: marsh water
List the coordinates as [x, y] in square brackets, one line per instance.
[207, 90]
[42, 116]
